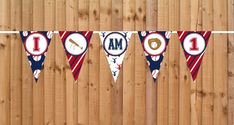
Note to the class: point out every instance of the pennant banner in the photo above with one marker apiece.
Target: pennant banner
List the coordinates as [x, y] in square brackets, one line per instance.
[194, 45]
[76, 46]
[154, 45]
[36, 45]
[115, 45]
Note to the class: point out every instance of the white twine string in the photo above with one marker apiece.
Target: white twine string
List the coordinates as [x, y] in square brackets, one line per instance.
[56, 32]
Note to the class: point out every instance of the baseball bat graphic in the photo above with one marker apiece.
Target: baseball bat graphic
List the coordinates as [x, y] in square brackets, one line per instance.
[73, 42]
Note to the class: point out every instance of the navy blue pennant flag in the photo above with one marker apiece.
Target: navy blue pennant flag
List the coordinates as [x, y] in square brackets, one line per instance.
[154, 44]
[36, 44]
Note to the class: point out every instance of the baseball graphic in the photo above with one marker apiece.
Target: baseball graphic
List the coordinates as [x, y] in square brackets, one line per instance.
[146, 54]
[36, 58]
[155, 58]
[36, 73]
[49, 34]
[148, 62]
[143, 33]
[27, 54]
[155, 73]
[25, 33]
[168, 35]
[30, 63]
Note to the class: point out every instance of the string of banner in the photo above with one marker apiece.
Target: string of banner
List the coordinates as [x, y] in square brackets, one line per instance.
[115, 44]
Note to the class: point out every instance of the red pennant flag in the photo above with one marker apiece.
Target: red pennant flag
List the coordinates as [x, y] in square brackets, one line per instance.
[76, 46]
[194, 45]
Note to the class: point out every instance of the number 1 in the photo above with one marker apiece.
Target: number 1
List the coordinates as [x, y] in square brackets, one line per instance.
[36, 43]
[194, 44]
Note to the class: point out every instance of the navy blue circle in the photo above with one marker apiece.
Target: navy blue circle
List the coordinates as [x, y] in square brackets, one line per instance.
[124, 39]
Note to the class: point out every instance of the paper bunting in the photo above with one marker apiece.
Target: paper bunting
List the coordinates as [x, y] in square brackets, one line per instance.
[76, 46]
[115, 45]
[36, 45]
[194, 45]
[154, 45]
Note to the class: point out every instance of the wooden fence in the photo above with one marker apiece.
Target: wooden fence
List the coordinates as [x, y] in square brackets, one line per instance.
[135, 99]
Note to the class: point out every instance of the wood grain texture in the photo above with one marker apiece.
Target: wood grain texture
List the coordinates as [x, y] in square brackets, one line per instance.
[230, 63]
[135, 99]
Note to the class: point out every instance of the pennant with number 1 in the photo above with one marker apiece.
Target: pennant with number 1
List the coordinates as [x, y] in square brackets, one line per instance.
[194, 45]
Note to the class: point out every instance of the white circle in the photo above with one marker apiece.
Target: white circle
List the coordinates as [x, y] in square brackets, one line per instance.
[36, 73]
[115, 44]
[155, 58]
[188, 44]
[155, 73]
[49, 34]
[30, 44]
[25, 33]
[147, 45]
[36, 58]
[76, 44]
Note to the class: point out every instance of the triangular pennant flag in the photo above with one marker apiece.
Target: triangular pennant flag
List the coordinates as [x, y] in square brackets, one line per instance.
[115, 45]
[194, 45]
[76, 46]
[154, 45]
[36, 44]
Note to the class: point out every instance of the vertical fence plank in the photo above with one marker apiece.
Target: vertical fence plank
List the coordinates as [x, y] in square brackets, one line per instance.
[220, 63]
[60, 87]
[105, 86]
[128, 69]
[230, 63]
[117, 93]
[83, 87]
[16, 64]
[163, 82]
[196, 99]
[207, 66]
[140, 65]
[174, 47]
[94, 62]
[185, 77]
[27, 78]
[49, 72]
[5, 49]
[71, 88]
[151, 95]
[38, 88]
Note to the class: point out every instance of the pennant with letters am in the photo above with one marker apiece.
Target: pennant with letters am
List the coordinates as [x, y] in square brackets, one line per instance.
[115, 45]
[76, 46]
[154, 44]
[36, 44]
[194, 45]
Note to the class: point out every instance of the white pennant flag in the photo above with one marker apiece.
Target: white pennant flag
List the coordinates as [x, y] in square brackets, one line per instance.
[115, 45]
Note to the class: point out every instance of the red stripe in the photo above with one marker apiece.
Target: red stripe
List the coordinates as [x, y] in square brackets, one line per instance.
[195, 58]
[196, 69]
[183, 36]
[72, 60]
[78, 66]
